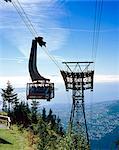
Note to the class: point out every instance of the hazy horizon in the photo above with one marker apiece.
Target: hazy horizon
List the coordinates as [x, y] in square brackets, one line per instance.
[102, 92]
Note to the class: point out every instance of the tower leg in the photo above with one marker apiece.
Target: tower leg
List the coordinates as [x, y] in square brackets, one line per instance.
[78, 125]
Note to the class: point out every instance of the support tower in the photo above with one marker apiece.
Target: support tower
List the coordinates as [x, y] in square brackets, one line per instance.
[78, 77]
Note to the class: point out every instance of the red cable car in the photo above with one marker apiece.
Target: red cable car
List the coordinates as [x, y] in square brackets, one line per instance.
[40, 88]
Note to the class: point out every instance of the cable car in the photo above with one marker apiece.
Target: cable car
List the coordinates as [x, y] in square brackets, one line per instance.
[40, 88]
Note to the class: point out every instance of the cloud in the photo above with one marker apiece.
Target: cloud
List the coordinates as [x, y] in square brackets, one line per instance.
[16, 81]
[21, 81]
[106, 78]
[35, 1]
[18, 60]
[45, 16]
[86, 30]
[97, 78]
[59, 58]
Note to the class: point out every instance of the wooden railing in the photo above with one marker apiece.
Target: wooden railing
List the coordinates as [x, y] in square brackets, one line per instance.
[6, 119]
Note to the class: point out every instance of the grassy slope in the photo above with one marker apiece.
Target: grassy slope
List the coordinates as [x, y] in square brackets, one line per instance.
[13, 140]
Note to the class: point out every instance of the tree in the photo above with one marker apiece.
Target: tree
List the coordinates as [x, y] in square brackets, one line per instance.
[4, 106]
[50, 116]
[9, 97]
[21, 114]
[53, 121]
[44, 114]
[34, 110]
[59, 126]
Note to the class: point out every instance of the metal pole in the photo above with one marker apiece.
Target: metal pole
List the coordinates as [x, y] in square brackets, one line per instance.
[82, 90]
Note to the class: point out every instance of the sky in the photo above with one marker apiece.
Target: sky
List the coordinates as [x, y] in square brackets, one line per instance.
[67, 26]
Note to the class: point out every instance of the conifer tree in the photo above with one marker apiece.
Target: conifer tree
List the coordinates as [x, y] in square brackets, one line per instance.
[50, 116]
[21, 114]
[34, 109]
[44, 114]
[4, 105]
[9, 97]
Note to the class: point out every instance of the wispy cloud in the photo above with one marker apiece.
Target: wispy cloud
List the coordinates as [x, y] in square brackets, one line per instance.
[16, 81]
[18, 60]
[106, 78]
[20, 81]
[45, 16]
[85, 30]
[59, 58]
[35, 1]
[97, 78]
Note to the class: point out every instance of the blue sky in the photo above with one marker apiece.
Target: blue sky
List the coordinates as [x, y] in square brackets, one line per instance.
[67, 27]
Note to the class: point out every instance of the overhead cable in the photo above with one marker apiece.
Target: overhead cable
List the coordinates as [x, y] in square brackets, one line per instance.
[31, 28]
[98, 29]
[97, 23]
[23, 18]
[25, 14]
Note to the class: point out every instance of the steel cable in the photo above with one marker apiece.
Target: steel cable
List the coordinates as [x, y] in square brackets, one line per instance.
[31, 28]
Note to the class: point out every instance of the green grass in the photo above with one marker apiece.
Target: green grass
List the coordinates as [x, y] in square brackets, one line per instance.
[13, 139]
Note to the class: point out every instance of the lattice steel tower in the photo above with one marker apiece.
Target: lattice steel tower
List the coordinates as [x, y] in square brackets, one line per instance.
[78, 77]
